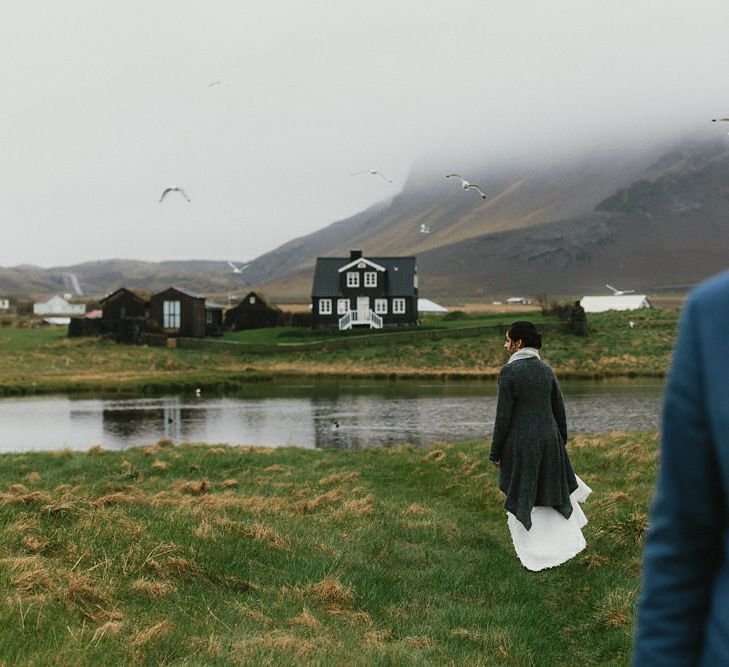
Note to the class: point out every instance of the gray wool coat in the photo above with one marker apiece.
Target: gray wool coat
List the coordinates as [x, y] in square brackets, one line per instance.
[530, 436]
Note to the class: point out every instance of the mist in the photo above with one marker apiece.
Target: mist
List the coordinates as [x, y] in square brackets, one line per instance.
[263, 112]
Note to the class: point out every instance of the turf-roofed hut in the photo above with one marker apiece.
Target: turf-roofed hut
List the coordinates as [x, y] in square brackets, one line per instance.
[123, 315]
[359, 291]
[254, 311]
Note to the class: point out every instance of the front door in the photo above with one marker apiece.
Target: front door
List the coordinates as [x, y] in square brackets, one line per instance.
[363, 308]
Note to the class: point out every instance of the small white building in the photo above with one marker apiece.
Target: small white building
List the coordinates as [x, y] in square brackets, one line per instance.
[601, 304]
[428, 306]
[57, 305]
[523, 300]
[4, 304]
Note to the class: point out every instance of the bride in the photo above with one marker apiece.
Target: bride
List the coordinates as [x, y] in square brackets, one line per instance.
[529, 448]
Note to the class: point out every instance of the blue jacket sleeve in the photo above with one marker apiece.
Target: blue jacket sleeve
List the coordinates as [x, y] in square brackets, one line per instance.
[683, 547]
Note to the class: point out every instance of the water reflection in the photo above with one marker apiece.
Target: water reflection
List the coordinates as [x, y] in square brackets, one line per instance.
[324, 415]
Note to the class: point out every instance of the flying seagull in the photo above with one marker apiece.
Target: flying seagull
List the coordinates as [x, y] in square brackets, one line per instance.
[424, 229]
[373, 172]
[218, 83]
[619, 292]
[238, 269]
[720, 120]
[174, 188]
[466, 185]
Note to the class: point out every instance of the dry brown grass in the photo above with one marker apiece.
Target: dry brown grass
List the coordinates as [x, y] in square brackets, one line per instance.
[434, 455]
[192, 488]
[359, 506]
[339, 477]
[158, 464]
[331, 592]
[152, 634]
[153, 589]
[112, 628]
[616, 609]
[414, 508]
[269, 536]
[306, 619]
[229, 483]
[33, 477]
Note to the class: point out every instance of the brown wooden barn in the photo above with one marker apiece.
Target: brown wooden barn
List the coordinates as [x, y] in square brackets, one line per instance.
[122, 303]
[179, 312]
[254, 312]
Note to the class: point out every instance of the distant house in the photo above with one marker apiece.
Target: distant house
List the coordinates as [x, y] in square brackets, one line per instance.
[428, 306]
[514, 300]
[253, 312]
[57, 305]
[374, 292]
[122, 303]
[179, 312]
[600, 304]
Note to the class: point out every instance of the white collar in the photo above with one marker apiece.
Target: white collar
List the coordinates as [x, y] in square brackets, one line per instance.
[525, 353]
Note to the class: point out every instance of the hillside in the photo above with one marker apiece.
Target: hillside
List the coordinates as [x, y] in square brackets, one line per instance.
[646, 219]
[649, 221]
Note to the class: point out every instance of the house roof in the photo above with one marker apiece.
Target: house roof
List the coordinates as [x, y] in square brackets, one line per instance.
[400, 272]
[600, 304]
[119, 292]
[428, 306]
[361, 260]
[182, 290]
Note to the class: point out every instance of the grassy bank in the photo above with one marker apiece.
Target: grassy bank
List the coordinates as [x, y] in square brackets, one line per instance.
[219, 555]
[44, 360]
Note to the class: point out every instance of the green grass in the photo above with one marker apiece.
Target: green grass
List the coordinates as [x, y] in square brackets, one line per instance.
[219, 555]
[44, 360]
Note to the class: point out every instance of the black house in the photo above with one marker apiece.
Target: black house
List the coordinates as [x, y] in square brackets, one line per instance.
[179, 312]
[122, 303]
[253, 312]
[374, 292]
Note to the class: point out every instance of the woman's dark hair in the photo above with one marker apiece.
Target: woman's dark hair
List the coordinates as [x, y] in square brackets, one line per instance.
[526, 332]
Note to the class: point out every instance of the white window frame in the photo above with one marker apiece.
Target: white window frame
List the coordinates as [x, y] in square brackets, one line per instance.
[352, 278]
[251, 299]
[342, 306]
[171, 314]
[370, 279]
[381, 306]
[398, 306]
[325, 306]
[208, 317]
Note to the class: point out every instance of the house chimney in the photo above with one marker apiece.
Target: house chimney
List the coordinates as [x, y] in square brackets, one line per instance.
[355, 254]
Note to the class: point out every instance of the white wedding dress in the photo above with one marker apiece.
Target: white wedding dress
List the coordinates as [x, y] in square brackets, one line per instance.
[552, 539]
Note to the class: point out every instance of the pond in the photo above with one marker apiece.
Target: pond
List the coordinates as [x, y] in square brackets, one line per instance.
[342, 415]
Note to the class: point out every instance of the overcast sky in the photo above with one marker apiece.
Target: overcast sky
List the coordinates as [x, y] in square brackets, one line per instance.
[106, 103]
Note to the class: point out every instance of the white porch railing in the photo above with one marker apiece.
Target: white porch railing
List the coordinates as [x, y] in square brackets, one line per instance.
[359, 317]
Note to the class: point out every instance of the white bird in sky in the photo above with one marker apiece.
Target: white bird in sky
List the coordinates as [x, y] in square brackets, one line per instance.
[173, 188]
[619, 292]
[238, 269]
[218, 83]
[424, 229]
[720, 120]
[466, 185]
[373, 172]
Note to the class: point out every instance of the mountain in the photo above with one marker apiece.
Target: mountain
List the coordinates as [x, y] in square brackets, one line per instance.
[648, 220]
[639, 218]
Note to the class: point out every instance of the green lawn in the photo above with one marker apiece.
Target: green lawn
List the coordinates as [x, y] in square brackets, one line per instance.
[45, 360]
[217, 555]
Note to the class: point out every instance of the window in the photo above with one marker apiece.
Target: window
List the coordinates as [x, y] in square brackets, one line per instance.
[208, 317]
[398, 306]
[251, 299]
[352, 279]
[381, 306]
[370, 279]
[325, 306]
[342, 306]
[170, 314]
[415, 281]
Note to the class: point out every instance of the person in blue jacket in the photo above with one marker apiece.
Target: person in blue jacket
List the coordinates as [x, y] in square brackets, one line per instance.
[683, 610]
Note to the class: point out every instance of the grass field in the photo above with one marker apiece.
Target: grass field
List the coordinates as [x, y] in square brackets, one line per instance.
[216, 555]
[44, 360]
